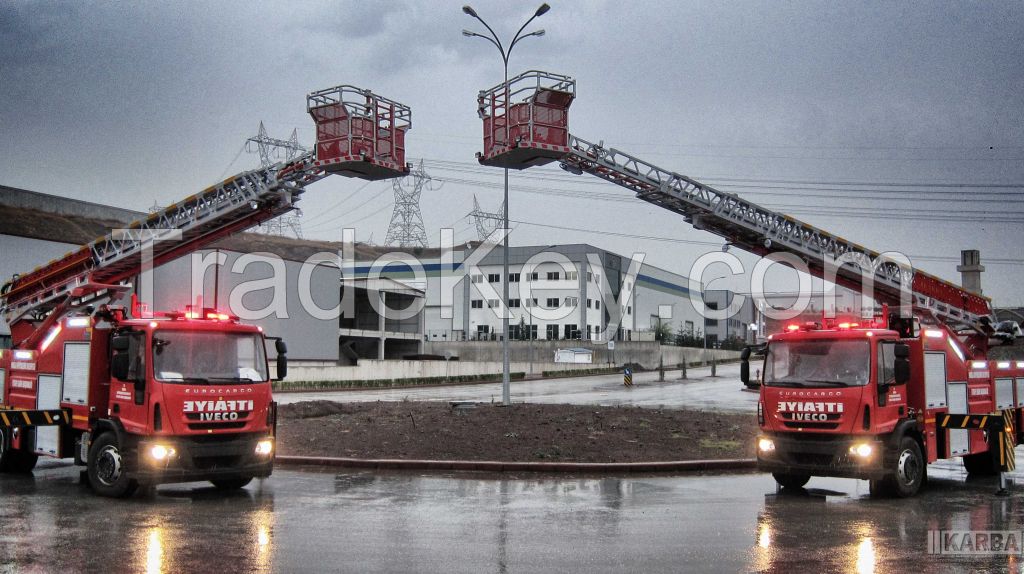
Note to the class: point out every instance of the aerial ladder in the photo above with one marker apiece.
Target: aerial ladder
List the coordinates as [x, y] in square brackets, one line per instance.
[84, 375]
[874, 399]
[525, 123]
[359, 134]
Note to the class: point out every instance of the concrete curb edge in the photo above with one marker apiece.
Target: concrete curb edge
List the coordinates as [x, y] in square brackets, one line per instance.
[501, 466]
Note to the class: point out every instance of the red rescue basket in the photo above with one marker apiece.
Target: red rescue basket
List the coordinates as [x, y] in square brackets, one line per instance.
[359, 133]
[526, 120]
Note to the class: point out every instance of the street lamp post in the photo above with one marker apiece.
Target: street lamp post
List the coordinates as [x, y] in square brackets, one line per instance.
[506, 397]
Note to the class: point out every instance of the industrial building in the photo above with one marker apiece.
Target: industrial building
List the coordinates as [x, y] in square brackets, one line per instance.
[298, 290]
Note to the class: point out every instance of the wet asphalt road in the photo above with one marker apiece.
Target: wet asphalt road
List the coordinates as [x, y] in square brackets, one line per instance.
[699, 390]
[307, 520]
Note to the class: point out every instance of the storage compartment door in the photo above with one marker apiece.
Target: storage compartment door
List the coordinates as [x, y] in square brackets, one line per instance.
[959, 439]
[48, 397]
[76, 373]
[935, 380]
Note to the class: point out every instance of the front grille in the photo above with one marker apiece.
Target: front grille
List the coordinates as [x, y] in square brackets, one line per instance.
[217, 425]
[810, 425]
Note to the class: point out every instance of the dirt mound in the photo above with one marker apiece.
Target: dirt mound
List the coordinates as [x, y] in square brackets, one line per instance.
[521, 432]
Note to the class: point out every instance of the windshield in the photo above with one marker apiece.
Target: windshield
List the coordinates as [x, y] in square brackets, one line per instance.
[208, 357]
[817, 363]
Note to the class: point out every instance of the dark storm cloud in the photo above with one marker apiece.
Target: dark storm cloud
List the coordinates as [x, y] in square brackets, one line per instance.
[131, 103]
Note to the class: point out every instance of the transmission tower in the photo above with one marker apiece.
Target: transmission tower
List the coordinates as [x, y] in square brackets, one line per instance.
[406, 229]
[486, 222]
[271, 149]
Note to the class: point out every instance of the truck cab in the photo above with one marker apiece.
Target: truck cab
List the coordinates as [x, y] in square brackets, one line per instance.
[169, 397]
[834, 402]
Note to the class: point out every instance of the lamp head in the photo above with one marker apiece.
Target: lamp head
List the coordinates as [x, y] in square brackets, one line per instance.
[469, 10]
[540, 11]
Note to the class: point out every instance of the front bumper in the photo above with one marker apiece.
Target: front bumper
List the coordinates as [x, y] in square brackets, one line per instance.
[203, 457]
[822, 455]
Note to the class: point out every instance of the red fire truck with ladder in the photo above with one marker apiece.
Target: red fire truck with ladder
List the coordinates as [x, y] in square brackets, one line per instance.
[874, 399]
[144, 398]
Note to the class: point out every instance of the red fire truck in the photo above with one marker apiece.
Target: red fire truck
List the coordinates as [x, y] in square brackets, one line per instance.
[143, 398]
[876, 399]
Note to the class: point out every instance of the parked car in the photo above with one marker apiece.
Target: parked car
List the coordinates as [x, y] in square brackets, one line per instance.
[1007, 332]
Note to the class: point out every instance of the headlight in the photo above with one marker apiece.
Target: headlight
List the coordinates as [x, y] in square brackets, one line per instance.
[264, 447]
[766, 445]
[862, 450]
[161, 452]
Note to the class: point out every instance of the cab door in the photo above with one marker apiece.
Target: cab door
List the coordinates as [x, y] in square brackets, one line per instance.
[891, 400]
[129, 373]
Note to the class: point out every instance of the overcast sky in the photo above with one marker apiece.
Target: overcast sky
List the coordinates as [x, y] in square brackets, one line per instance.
[135, 103]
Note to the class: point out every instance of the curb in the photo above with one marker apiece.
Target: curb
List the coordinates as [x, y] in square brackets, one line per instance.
[500, 466]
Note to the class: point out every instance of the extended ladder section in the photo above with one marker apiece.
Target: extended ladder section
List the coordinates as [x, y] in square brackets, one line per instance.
[741, 223]
[237, 203]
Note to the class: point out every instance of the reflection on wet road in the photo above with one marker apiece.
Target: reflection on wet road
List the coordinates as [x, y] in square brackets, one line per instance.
[317, 521]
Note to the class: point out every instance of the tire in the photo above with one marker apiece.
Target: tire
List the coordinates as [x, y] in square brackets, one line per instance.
[15, 461]
[793, 481]
[108, 474]
[908, 472]
[231, 483]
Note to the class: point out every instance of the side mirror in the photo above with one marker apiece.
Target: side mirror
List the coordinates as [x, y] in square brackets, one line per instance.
[282, 367]
[119, 366]
[745, 365]
[901, 370]
[120, 343]
[282, 359]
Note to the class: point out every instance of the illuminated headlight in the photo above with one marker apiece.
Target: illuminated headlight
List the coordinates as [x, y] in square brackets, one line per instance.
[765, 445]
[160, 452]
[862, 450]
[264, 447]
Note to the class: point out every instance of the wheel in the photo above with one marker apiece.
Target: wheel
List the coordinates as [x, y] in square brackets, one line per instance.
[108, 474]
[14, 460]
[231, 483]
[793, 481]
[908, 472]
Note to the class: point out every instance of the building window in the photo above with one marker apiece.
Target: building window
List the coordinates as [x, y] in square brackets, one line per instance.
[572, 275]
[477, 303]
[597, 303]
[513, 278]
[590, 304]
[552, 275]
[531, 276]
[597, 279]
[589, 335]
[513, 303]
[571, 332]
[688, 327]
[493, 277]
[629, 309]
[552, 303]
[552, 332]
[482, 331]
[590, 276]
[572, 301]
[513, 333]
[476, 278]
[492, 303]
[711, 322]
